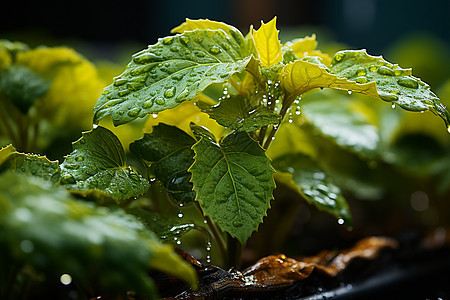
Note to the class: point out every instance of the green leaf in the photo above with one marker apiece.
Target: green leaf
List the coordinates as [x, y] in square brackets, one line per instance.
[97, 166]
[22, 86]
[164, 229]
[339, 119]
[233, 181]
[393, 83]
[237, 113]
[307, 178]
[168, 149]
[176, 69]
[32, 164]
[106, 251]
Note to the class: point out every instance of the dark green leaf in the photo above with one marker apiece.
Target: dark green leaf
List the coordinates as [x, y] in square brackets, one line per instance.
[22, 86]
[44, 228]
[97, 166]
[175, 69]
[314, 185]
[164, 229]
[393, 83]
[233, 181]
[237, 113]
[168, 149]
[31, 164]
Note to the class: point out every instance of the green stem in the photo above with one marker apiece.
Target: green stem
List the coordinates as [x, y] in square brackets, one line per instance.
[214, 231]
[269, 138]
[234, 253]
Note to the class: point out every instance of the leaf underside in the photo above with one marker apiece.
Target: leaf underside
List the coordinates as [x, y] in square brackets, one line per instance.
[168, 149]
[305, 176]
[175, 69]
[233, 181]
[97, 166]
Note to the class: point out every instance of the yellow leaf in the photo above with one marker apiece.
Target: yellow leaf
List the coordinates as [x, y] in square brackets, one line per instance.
[307, 47]
[267, 44]
[301, 76]
[5, 59]
[182, 115]
[190, 25]
[5, 152]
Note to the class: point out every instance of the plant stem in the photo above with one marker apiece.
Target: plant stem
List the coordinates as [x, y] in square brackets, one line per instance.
[214, 231]
[234, 253]
[269, 139]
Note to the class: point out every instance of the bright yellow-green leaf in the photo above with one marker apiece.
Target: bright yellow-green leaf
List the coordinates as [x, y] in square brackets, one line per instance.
[75, 84]
[5, 152]
[181, 116]
[301, 76]
[5, 59]
[190, 25]
[267, 44]
[307, 47]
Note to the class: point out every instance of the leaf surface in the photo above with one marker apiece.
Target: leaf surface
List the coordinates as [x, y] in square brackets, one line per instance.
[233, 181]
[99, 238]
[5, 152]
[267, 43]
[393, 83]
[300, 76]
[168, 149]
[306, 177]
[174, 70]
[236, 113]
[31, 165]
[97, 166]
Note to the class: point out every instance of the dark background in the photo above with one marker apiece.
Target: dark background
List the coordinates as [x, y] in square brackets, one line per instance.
[98, 29]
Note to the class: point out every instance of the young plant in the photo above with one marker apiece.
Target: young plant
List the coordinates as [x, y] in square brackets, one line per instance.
[227, 124]
[252, 87]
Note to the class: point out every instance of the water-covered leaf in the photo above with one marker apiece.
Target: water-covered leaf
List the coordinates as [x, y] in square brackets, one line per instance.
[233, 181]
[300, 76]
[109, 252]
[97, 166]
[267, 43]
[175, 69]
[308, 179]
[168, 149]
[393, 83]
[31, 164]
[237, 113]
[165, 229]
[190, 25]
[22, 86]
[307, 47]
[340, 120]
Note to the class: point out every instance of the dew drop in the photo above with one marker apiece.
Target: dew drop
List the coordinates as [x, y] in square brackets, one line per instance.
[341, 221]
[184, 39]
[385, 71]
[65, 279]
[141, 70]
[154, 116]
[408, 82]
[146, 58]
[237, 223]
[349, 92]
[180, 214]
[134, 177]
[393, 105]
[373, 69]
[120, 81]
[124, 92]
[67, 179]
[361, 71]
[388, 97]
[134, 112]
[147, 104]
[361, 79]
[339, 56]
[215, 50]
[167, 40]
[448, 129]
[160, 101]
[208, 259]
[79, 158]
[170, 92]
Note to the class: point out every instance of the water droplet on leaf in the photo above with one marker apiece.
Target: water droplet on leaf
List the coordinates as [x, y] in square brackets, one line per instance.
[385, 71]
[184, 39]
[349, 92]
[215, 50]
[146, 58]
[147, 104]
[408, 82]
[160, 101]
[124, 92]
[67, 179]
[168, 40]
[170, 92]
[120, 81]
[79, 158]
[134, 112]
[361, 79]
[341, 221]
